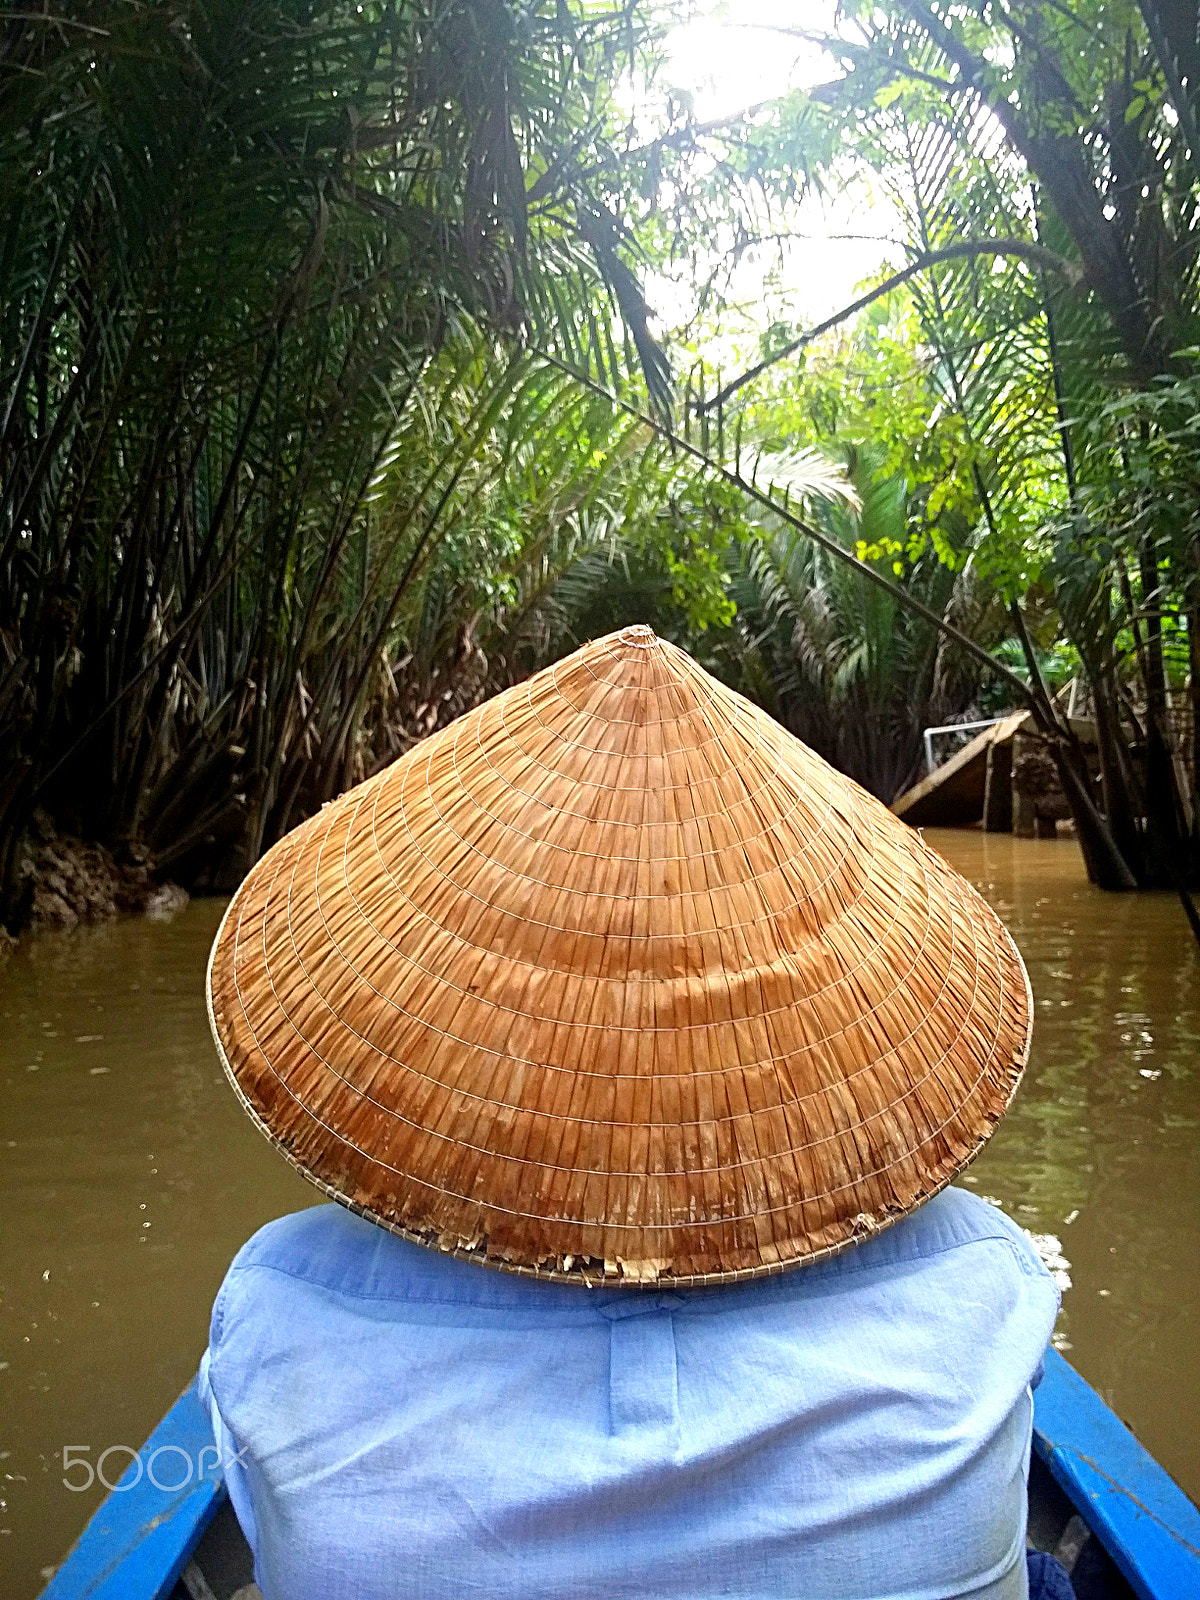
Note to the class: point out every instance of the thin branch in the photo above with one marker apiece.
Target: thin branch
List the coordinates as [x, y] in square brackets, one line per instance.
[1046, 59]
[22, 15]
[1170, 72]
[1078, 22]
[966, 249]
[901, 596]
[679, 138]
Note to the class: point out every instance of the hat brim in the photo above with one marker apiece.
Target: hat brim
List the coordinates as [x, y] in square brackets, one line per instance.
[613, 980]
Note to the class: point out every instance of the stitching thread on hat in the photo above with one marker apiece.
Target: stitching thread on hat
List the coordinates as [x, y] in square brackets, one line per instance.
[640, 635]
[735, 1128]
[545, 1066]
[706, 1122]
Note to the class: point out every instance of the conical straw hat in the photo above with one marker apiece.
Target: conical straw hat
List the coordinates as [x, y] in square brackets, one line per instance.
[615, 980]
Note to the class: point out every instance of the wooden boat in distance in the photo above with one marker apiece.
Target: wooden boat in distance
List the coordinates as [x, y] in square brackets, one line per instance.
[975, 784]
[1095, 1495]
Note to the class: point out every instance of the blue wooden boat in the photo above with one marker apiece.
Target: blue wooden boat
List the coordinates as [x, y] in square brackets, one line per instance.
[1096, 1497]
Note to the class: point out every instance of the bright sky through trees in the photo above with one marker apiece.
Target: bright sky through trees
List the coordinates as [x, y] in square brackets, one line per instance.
[735, 55]
[732, 57]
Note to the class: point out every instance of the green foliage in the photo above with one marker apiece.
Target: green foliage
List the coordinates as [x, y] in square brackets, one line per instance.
[1073, 128]
[840, 661]
[875, 390]
[265, 273]
[286, 481]
[1033, 361]
[1124, 562]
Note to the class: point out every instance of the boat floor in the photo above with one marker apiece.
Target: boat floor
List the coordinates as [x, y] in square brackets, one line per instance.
[222, 1567]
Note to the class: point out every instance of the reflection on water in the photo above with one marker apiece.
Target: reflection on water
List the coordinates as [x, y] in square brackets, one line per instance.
[130, 1176]
[1098, 1157]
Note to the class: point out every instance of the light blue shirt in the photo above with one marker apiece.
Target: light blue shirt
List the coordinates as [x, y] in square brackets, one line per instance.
[414, 1427]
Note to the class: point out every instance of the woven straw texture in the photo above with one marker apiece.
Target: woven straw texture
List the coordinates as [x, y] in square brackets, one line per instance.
[615, 980]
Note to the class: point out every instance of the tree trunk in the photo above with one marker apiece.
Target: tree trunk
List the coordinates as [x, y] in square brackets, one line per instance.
[1193, 627]
[1063, 168]
[1164, 841]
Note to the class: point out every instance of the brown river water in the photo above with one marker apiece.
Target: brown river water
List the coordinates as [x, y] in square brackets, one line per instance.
[130, 1176]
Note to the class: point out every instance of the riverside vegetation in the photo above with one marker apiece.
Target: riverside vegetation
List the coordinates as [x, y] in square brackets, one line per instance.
[330, 399]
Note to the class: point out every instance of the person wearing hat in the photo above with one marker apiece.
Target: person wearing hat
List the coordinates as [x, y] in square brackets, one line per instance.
[639, 1048]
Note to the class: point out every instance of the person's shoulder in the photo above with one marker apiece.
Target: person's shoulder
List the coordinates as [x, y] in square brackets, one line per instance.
[322, 1250]
[952, 1232]
[953, 1219]
[330, 1249]
[306, 1239]
[951, 1223]
[956, 1269]
[287, 1248]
